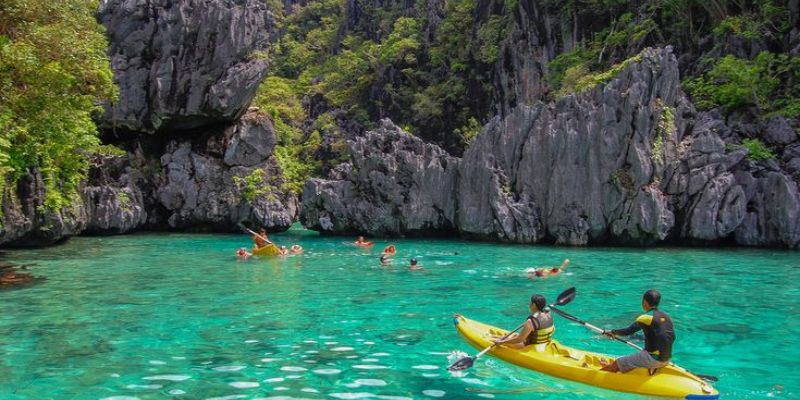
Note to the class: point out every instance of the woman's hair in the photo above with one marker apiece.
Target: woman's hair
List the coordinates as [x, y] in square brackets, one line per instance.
[539, 300]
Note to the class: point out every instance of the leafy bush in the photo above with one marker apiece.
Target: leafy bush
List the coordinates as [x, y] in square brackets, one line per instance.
[756, 150]
[54, 71]
[770, 82]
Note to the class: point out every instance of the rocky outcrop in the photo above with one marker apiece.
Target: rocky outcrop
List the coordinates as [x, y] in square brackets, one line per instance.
[26, 220]
[210, 182]
[184, 64]
[628, 162]
[395, 184]
[230, 178]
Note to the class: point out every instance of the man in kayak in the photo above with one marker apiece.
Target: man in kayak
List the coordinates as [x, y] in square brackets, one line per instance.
[658, 337]
[538, 328]
[261, 239]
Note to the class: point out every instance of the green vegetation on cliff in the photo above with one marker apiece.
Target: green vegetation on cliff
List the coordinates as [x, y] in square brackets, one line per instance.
[53, 71]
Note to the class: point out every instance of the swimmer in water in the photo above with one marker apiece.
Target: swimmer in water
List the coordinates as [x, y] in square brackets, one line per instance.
[243, 254]
[413, 266]
[296, 249]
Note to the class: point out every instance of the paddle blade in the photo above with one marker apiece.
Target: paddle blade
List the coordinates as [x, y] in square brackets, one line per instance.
[566, 296]
[462, 364]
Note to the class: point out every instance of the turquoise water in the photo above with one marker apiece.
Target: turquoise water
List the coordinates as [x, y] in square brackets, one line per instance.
[163, 316]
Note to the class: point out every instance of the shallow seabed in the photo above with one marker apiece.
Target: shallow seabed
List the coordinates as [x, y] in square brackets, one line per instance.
[157, 316]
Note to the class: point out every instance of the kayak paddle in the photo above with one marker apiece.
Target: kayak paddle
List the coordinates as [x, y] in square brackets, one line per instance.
[253, 233]
[629, 343]
[466, 362]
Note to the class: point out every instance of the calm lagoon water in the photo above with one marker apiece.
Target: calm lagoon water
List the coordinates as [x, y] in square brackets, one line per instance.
[175, 316]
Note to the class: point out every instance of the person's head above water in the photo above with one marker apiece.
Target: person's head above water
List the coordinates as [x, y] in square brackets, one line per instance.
[413, 261]
[650, 299]
[538, 303]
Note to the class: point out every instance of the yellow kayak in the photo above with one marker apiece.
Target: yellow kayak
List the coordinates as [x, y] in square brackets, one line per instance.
[268, 250]
[582, 366]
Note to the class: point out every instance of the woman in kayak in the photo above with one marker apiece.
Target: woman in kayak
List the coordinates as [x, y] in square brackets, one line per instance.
[538, 328]
[261, 238]
[360, 242]
[390, 250]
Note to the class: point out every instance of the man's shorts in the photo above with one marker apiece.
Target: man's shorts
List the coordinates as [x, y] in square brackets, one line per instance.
[642, 359]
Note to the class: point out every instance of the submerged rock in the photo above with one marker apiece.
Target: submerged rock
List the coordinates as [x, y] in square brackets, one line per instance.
[395, 184]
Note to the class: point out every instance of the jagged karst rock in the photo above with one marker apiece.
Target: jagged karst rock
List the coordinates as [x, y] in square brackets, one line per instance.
[628, 162]
[114, 196]
[577, 167]
[184, 64]
[395, 184]
[231, 178]
[26, 221]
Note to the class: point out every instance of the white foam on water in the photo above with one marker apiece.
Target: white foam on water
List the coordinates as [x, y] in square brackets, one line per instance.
[143, 387]
[369, 343]
[294, 376]
[327, 371]
[370, 360]
[427, 367]
[266, 360]
[229, 368]
[206, 362]
[115, 375]
[120, 398]
[309, 341]
[474, 381]
[231, 397]
[350, 396]
[438, 353]
[178, 358]
[434, 393]
[370, 382]
[331, 343]
[352, 357]
[251, 341]
[279, 379]
[293, 369]
[309, 390]
[430, 375]
[342, 348]
[327, 337]
[486, 395]
[176, 392]
[310, 361]
[470, 271]
[244, 385]
[157, 362]
[312, 352]
[380, 354]
[279, 388]
[383, 397]
[173, 378]
[443, 262]
[369, 366]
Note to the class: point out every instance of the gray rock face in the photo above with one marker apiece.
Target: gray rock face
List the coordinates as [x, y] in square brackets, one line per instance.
[26, 222]
[626, 162]
[114, 198]
[395, 184]
[214, 184]
[183, 64]
[581, 170]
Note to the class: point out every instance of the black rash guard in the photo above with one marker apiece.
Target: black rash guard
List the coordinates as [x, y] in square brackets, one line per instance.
[658, 333]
